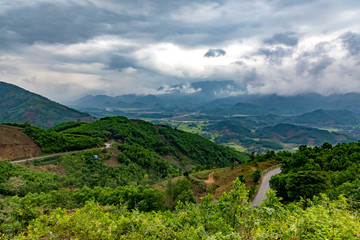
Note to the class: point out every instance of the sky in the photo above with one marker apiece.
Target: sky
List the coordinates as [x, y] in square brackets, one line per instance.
[65, 49]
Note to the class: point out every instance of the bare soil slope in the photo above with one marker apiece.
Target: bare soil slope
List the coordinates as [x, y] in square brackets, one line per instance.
[15, 144]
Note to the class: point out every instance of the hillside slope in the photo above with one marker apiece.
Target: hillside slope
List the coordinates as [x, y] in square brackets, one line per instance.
[328, 117]
[19, 105]
[15, 144]
[182, 148]
[288, 133]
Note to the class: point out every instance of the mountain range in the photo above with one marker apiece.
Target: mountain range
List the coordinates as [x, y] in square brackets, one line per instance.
[252, 121]
[221, 97]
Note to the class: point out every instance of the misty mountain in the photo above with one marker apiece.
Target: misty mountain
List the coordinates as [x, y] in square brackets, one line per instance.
[19, 105]
[180, 95]
[218, 98]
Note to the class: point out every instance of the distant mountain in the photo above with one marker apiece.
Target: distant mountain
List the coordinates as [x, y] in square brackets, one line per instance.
[181, 95]
[216, 99]
[327, 117]
[207, 89]
[299, 104]
[19, 105]
[230, 128]
[123, 101]
[288, 133]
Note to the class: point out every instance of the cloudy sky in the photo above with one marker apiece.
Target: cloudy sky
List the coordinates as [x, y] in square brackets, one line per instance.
[64, 49]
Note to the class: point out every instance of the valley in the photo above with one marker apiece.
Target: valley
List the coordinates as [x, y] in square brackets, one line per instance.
[191, 166]
[244, 122]
[179, 120]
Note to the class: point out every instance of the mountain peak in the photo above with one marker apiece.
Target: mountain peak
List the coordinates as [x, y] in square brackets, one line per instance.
[19, 105]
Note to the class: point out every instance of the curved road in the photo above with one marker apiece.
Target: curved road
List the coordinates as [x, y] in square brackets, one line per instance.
[264, 187]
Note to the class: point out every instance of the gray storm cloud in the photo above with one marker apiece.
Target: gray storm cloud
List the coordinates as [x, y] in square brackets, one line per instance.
[131, 46]
[215, 53]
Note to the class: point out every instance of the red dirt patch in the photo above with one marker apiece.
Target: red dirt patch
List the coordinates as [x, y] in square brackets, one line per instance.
[15, 144]
[211, 179]
[114, 159]
[58, 169]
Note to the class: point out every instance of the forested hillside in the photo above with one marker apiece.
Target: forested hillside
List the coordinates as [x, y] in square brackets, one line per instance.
[20, 106]
[105, 193]
[327, 169]
[181, 147]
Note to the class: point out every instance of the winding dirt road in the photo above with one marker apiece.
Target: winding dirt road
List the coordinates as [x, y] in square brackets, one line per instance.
[264, 187]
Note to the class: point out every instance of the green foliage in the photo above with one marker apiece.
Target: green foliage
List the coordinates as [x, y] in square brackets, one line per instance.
[179, 192]
[256, 175]
[17, 213]
[17, 180]
[200, 150]
[63, 126]
[119, 128]
[229, 218]
[241, 178]
[147, 159]
[314, 170]
[303, 184]
[51, 141]
[165, 141]
[82, 169]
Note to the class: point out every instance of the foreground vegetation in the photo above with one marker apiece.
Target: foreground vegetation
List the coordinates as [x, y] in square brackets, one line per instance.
[229, 218]
[106, 193]
[314, 170]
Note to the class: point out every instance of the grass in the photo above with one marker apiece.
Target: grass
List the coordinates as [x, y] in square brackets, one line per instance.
[235, 146]
[129, 109]
[193, 127]
[330, 129]
[224, 178]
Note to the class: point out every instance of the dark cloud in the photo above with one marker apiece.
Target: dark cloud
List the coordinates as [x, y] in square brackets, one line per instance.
[314, 62]
[288, 39]
[118, 62]
[352, 42]
[215, 53]
[275, 56]
[69, 23]
[122, 45]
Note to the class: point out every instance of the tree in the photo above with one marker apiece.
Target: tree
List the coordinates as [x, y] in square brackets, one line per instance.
[256, 175]
[241, 178]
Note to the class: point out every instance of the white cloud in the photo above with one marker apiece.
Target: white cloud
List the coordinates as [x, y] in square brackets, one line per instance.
[117, 47]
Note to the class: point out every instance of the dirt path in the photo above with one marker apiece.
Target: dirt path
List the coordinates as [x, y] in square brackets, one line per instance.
[107, 145]
[211, 179]
[264, 187]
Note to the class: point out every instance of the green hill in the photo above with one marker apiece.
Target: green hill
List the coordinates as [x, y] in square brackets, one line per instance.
[185, 149]
[81, 195]
[230, 127]
[328, 117]
[19, 105]
[288, 133]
